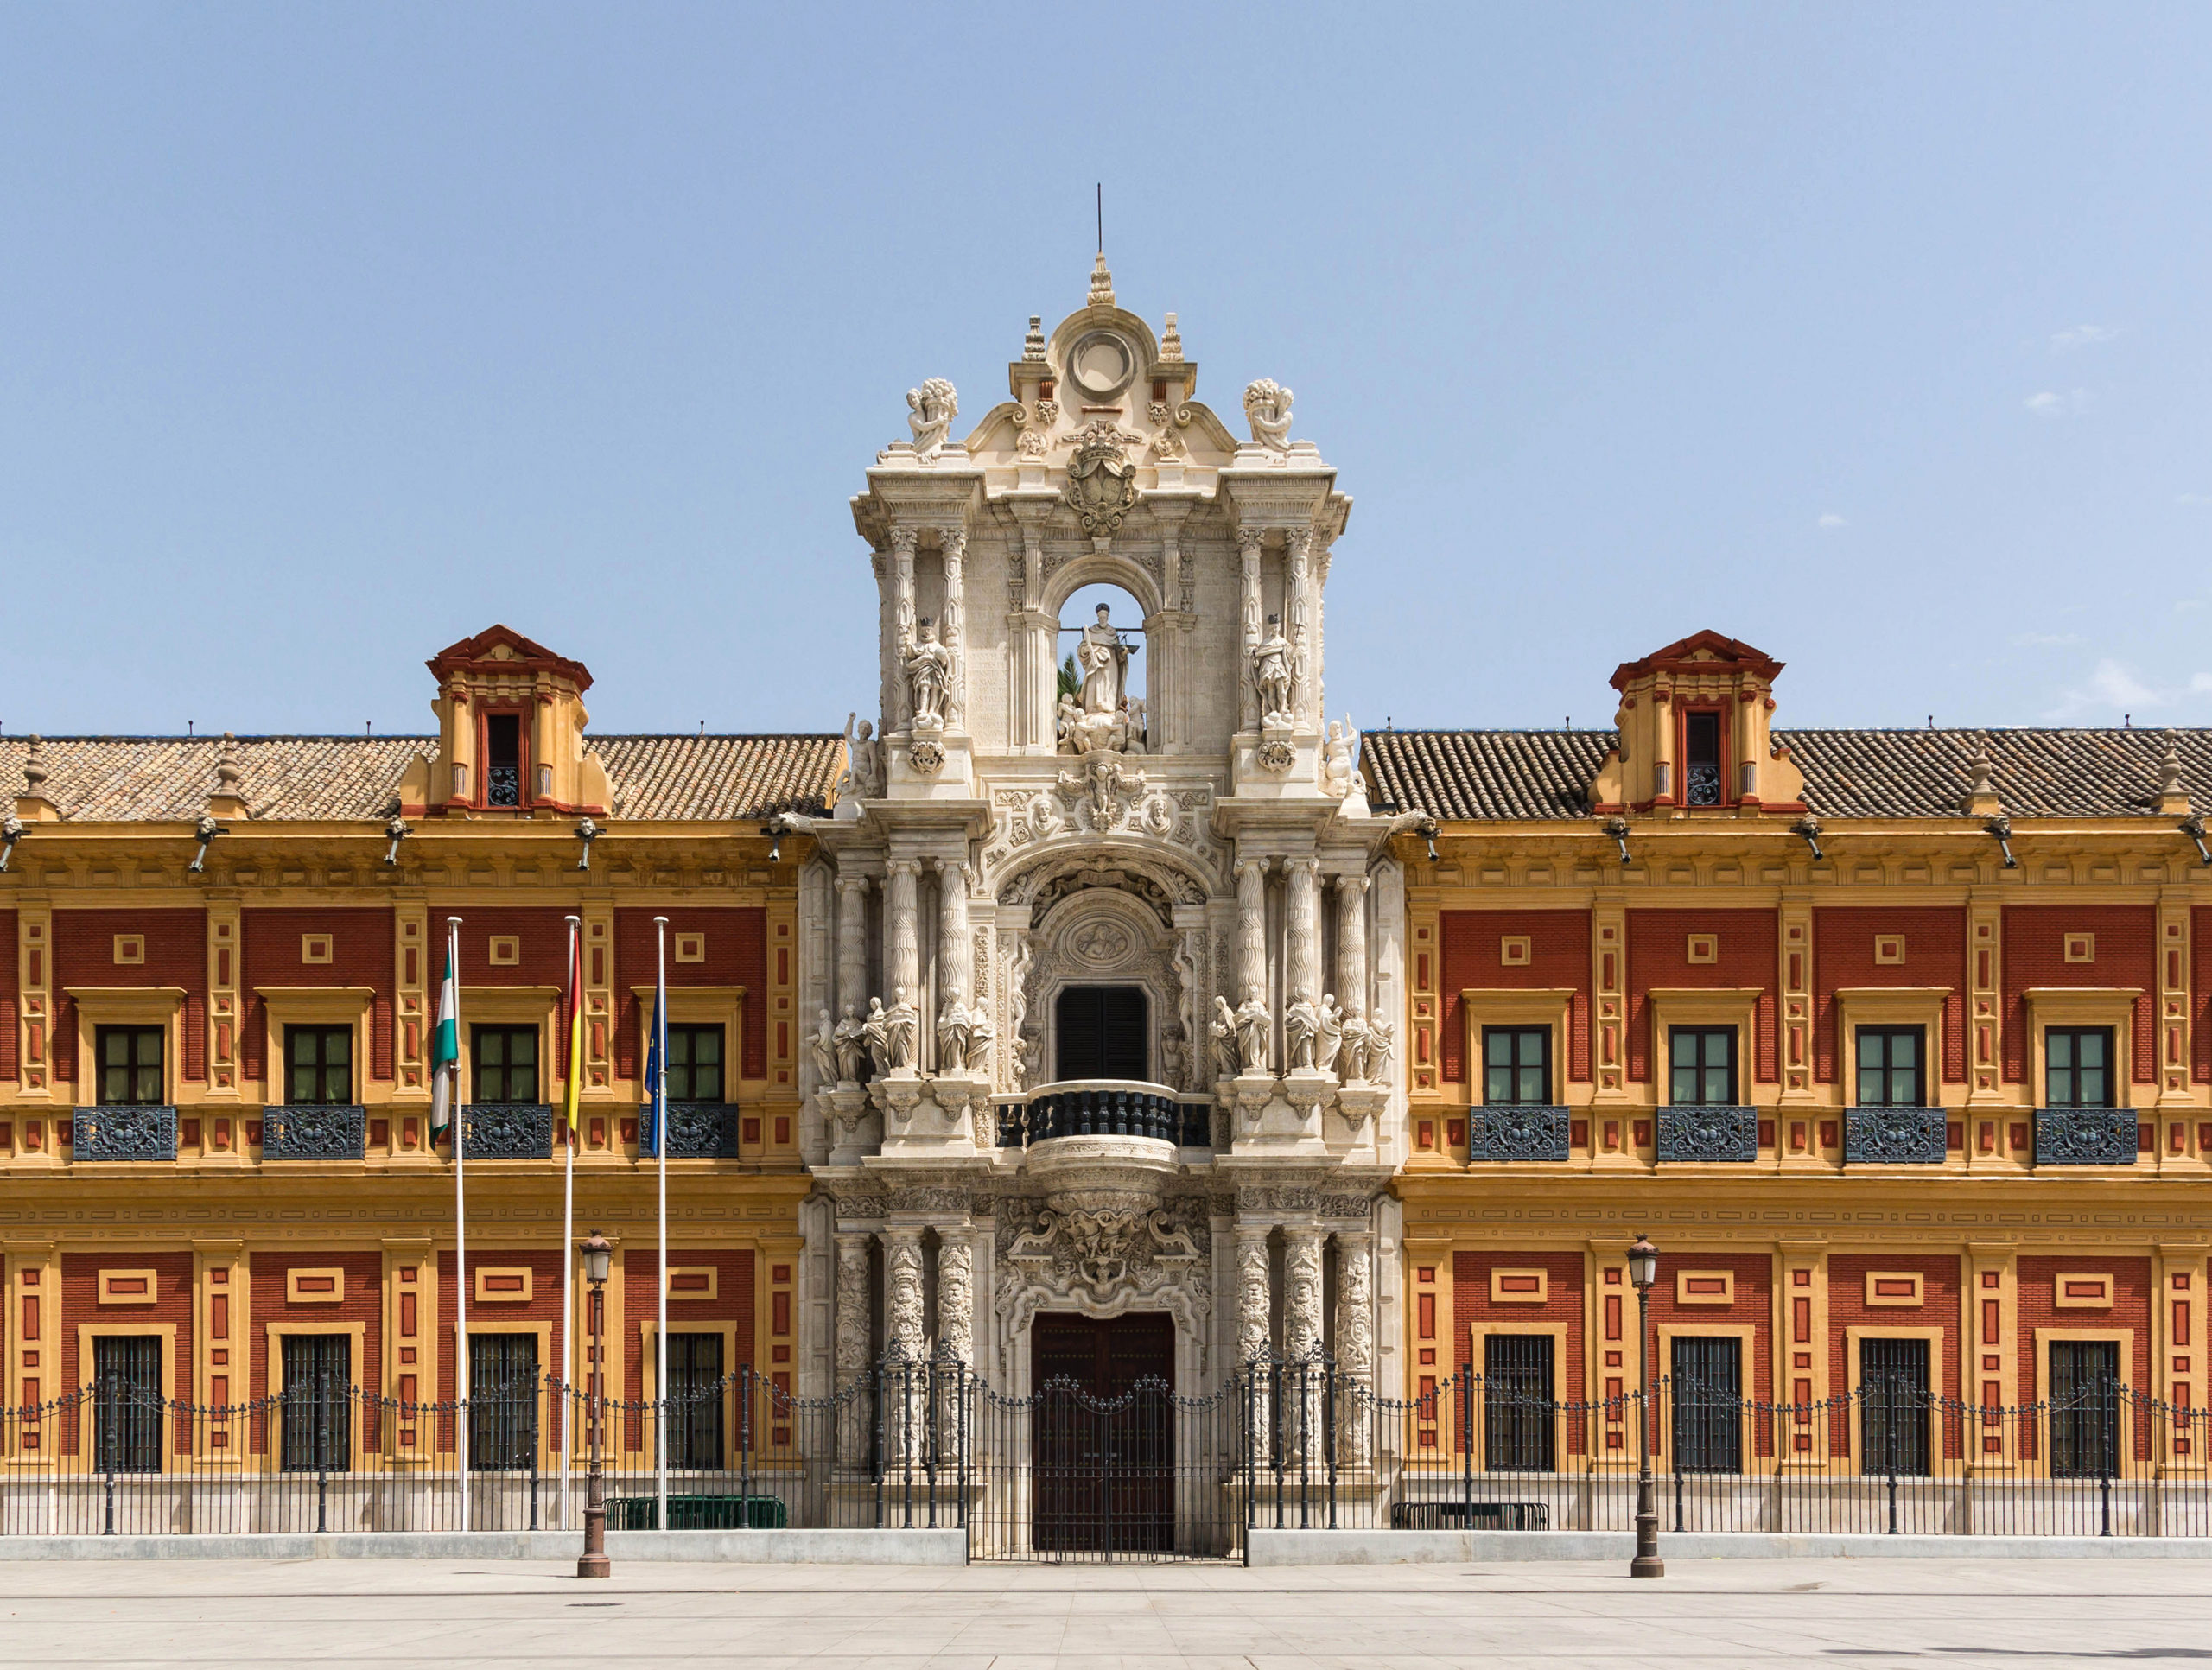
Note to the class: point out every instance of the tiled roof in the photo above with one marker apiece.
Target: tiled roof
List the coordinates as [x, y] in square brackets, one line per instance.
[1470, 776]
[169, 779]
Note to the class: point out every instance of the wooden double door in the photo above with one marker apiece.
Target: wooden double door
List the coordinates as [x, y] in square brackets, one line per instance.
[1103, 1434]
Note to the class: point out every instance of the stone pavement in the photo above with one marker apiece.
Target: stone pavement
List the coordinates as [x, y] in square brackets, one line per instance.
[390, 1613]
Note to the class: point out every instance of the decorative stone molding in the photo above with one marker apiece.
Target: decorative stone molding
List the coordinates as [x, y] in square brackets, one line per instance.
[1102, 1263]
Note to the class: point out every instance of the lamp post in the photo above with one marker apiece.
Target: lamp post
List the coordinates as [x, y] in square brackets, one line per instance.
[592, 1563]
[1643, 1270]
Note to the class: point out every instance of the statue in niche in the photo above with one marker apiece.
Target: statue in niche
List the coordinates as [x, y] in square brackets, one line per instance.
[1272, 674]
[1100, 715]
[852, 1047]
[928, 675]
[930, 411]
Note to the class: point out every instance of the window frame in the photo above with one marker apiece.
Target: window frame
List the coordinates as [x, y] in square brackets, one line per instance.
[1886, 1035]
[699, 1431]
[2108, 1037]
[692, 1031]
[324, 1031]
[138, 1032]
[326, 1446]
[1520, 1417]
[1895, 1405]
[504, 1431]
[478, 1031]
[1704, 1030]
[1714, 1426]
[1540, 1033]
[1103, 990]
[133, 1436]
[523, 797]
[1718, 714]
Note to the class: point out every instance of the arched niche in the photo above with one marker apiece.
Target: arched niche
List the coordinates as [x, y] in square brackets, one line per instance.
[1105, 936]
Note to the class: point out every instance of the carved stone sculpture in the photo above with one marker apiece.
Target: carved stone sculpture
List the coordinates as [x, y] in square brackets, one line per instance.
[952, 1027]
[875, 1034]
[902, 1024]
[1353, 1050]
[864, 776]
[1301, 1027]
[1336, 762]
[928, 664]
[930, 411]
[1101, 485]
[1329, 1043]
[1272, 675]
[1267, 406]
[1226, 1063]
[852, 1047]
[1102, 654]
[976, 1053]
[1253, 1021]
[1375, 1059]
[824, 1043]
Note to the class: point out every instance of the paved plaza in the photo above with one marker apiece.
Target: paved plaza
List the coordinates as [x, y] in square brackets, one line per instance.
[393, 1613]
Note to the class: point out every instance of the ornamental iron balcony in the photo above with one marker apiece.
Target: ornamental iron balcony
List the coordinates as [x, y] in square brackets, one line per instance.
[1699, 1135]
[1894, 1136]
[2085, 1136]
[125, 1131]
[314, 1131]
[1511, 1131]
[1106, 1108]
[701, 1130]
[510, 1130]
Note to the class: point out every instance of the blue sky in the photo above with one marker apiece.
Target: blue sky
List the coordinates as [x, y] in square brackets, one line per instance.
[1876, 335]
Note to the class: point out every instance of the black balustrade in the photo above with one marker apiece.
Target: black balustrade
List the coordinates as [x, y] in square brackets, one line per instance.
[511, 1130]
[314, 1131]
[1708, 1135]
[702, 1130]
[1894, 1136]
[1106, 1110]
[125, 1131]
[2085, 1136]
[1518, 1132]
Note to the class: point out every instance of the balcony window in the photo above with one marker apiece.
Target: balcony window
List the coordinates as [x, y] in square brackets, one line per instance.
[1101, 1033]
[319, 1065]
[1702, 758]
[695, 1063]
[131, 1066]
[1890, 1073]
[1702, 1060]
[2077, 1067]
[504, 1063]
[502, 759]
[1517, 1066]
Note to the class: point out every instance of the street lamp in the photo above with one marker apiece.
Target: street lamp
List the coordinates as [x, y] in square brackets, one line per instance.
[1643, 1270]
[592, 1563]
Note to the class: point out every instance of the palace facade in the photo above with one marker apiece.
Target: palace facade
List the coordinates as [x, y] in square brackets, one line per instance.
[1102, 1009]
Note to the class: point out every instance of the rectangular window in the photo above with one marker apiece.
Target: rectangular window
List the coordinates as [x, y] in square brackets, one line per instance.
[1708, 1398]
[2084, 1408]
[1517, 1405]
[1517, 1065]
[131, 1065]
[127, 1410]
[1702, 758]
[502, 759]
[1893, 1406]
[504, 1063]
[695, 1063]
[1889, 1067]
[695, 1390]
[319, 1064]
[1702, 1060]
[1102, 1033]
[2077, 1067]
[502, 1402]
[317, 1407]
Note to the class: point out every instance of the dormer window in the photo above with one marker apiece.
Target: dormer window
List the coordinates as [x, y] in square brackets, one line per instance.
[1702, 758]
[502, 759]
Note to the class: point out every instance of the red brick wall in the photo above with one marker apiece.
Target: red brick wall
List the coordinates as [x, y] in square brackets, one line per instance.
[1658, 955]
[80, 1288]
[2200, 992]
[1470, 1304]
[1843, 955]
[1559, 955]
[11, 971]
[2035, 955]
[732, 1302]
[543, 1305]
[1753, 1308]
[544, 948]
[737, 955]
[364, 1303]
[360, 955]
[176, 954]
[1848, 1308]
[2037, 1307]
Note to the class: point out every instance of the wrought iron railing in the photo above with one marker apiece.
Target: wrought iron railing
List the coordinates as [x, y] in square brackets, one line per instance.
[2085, 1136]
[314, 1131]
[1516, 1132]
[1060, 1472]
[1107, 1108]
[699, 1130]
[124, 1132]
[510, 1130]
[1895, 1136]
[1715, 1134]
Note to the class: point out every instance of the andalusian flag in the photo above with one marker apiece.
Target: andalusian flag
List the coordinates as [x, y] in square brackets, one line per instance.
[445, 1051]
[576, 1031]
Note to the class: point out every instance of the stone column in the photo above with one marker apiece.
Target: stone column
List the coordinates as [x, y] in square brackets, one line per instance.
[1298, 582]
[1254, 1305]
[1302, 1340]
[904, 1349]
[953, 543]
[902, 945]
[1251, 929]
[853, 1327]
[1302, 934]
[902, 621]
[852, 993]
[955, 956]
[1352, 943]
[1247, 550]
[1355, 1345]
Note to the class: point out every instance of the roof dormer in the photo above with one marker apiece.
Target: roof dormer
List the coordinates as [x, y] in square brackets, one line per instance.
[1695, 733]
[511, 732]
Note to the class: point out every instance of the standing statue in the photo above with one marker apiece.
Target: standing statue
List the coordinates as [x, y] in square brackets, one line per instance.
[1224, 1039]
[1336, 760]
[1272, 674]
[952, 1024]
[1374, 1064]
[929, 675]
[1253, 1022]
[1331, 1038]
[825, 1040]
[930, 411]
[975, 1055]
[902, 1028]
[852, 1047]
[1301, 1025]
[862, 778]
[876, 1033]
[1354, 1048]
[1266, 407]
[1102, 654]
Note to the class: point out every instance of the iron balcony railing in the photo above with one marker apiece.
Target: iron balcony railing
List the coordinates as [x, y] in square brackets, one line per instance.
[124, 1132]
[2085, 1136]
[1708, 1135]
[314, 1131]
[1106, 1108]
[1895, 1136]
[1512, 1131]
[510, 1130]
[697, 1130]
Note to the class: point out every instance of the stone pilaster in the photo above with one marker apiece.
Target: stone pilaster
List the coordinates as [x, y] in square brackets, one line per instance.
[952, 544]
[1247, 552]
[1356, 1344]
[855, 1326]
[955, 956]
[903, 541]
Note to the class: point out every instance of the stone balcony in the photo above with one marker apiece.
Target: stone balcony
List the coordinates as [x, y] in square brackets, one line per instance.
[1105, 1108]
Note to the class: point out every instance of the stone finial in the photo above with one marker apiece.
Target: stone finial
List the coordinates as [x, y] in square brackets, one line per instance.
[2173, 799]
[1981, 798]
[35, 766]
[31, 805]
[1266, 407]
[1102, 282]
[1033, 344]
[930, 411]
[1171, 341]
[228, 799]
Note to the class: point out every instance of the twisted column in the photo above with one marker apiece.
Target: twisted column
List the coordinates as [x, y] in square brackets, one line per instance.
[1302, 938]
[852, 945]
[953, 543]
[1251, 929]
[1352, 944]
[1247, 552]
[902, 940]
[956, 954]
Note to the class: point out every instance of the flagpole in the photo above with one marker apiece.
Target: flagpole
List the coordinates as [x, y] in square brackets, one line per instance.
[568, 1222]
[660, 1150]
[460, 1231]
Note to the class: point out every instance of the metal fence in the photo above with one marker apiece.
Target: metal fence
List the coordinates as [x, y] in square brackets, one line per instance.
[1061, 1475]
